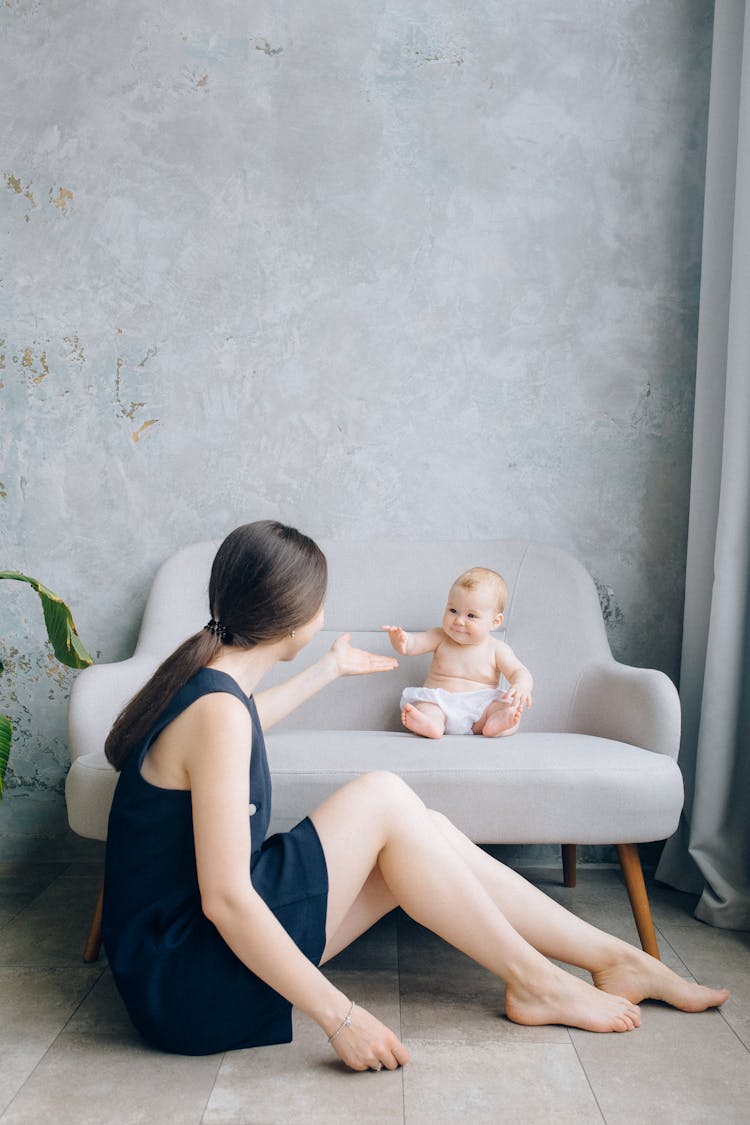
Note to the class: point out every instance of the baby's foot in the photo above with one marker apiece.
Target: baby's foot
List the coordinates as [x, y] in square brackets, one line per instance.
[565, 999]
[419, 723]
[499, 720]
[641, 977]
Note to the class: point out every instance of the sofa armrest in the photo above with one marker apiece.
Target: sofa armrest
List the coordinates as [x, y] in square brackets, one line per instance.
[639, 706]
[99, 694]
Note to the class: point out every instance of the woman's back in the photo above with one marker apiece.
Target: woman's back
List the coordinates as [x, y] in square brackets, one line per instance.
[184, 988]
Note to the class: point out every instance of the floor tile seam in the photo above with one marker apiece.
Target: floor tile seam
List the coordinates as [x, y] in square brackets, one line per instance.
[537, 1045]
[51, 1044]
[662, 937]
[27, 1079]
[19, 912]
[693, 977]
[62, 873]
[587, 1076]
[733, 1029]
[204, 1111]
[37, 895]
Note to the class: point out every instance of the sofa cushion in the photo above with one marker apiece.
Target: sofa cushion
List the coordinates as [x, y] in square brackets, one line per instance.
[529, 789]
[533, 788]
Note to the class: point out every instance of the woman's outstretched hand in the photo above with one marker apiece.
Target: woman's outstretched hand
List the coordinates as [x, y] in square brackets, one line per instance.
[341, 659]
[356, 662]
[367, 1044]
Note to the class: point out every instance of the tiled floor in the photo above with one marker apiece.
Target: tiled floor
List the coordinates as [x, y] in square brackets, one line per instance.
[68, 1054]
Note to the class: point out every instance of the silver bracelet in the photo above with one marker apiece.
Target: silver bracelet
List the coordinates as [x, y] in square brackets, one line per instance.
[347, 1023]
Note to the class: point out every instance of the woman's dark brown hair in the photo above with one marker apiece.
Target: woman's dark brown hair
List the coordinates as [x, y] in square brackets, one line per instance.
[266, 580]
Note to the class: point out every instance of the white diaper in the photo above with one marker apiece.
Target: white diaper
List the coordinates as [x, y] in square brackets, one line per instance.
[461, 708]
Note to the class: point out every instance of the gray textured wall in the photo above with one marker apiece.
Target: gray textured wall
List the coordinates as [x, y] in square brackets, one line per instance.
[376, 268]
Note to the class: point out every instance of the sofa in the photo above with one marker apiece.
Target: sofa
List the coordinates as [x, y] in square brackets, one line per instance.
[594, 761]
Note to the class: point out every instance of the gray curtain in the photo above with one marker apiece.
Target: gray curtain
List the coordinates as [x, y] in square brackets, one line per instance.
[710, 852]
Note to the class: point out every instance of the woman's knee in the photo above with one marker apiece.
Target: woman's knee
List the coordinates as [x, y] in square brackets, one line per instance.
[441, 820]
[391, 789]
[444, 824]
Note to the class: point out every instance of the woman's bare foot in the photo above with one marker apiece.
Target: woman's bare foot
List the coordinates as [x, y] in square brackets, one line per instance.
[565, 999]
[641, 977]
[419, 723]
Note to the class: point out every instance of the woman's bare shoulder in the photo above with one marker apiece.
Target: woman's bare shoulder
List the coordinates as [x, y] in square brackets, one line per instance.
[214, 732]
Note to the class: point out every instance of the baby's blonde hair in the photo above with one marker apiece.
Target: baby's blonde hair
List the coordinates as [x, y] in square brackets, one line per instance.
[478, 575]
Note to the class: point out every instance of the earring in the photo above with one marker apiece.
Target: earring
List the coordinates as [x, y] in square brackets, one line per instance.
[293, 633]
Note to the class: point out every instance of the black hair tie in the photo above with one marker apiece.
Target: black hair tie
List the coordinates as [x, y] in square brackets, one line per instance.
[216, 629]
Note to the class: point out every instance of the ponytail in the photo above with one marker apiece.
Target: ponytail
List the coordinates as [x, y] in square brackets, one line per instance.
[140, 715]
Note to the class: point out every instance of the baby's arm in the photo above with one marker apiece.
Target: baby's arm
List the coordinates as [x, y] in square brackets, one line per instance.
[516, 673]
[413, 644]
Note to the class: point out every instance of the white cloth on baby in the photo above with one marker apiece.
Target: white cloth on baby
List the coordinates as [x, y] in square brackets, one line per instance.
[461, 708]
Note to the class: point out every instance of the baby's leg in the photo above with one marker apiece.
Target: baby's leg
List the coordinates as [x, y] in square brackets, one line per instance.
[499, 720]
[424, 718]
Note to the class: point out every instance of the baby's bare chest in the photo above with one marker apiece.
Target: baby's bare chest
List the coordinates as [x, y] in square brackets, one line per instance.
[465, 662]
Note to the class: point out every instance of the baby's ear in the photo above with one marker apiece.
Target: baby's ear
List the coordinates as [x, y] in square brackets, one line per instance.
[498, 620]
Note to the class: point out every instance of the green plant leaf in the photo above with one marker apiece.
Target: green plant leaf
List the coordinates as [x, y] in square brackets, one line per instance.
[6, 732]
[61, 628]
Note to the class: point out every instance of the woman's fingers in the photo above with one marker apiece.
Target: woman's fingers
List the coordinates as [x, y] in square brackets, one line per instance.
[399, 1056]
[357, 662]
[367, 1044]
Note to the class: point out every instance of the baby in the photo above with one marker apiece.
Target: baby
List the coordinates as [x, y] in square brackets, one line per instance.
[461, 694]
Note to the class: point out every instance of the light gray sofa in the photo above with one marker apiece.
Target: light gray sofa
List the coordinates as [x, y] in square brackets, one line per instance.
[593, 763]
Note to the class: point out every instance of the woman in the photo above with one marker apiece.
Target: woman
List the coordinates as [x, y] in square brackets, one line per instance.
[207, 959]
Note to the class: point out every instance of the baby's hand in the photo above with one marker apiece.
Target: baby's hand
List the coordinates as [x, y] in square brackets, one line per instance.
[399, 637]
[520, 697]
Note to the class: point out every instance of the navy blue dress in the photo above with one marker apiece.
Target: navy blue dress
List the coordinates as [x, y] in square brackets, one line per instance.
[184, 988]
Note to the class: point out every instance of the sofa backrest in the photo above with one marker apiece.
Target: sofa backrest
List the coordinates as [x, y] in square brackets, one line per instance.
[553, 619]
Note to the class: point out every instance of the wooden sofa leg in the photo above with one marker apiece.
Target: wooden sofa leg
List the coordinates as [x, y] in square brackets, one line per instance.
[569, 864]
[94, 937]
[630, 862]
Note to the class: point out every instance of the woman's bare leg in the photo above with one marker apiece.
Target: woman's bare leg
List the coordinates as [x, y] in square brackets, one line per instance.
[378, 821]
[372, 903]
[615, 965]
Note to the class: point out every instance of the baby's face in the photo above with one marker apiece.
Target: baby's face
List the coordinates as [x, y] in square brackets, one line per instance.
[471, 615]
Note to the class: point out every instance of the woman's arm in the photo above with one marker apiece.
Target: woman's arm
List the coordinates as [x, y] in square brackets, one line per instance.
[341, 659]
[217, 759]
